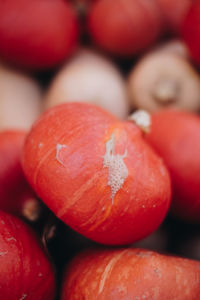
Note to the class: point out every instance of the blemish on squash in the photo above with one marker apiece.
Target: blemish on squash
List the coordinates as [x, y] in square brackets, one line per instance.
[158, 273]
[59, 147]
[40, 145]
[3, 253]
[144, 254]
[23, 297]
[108, 270]
[11, 239]
[117, 169]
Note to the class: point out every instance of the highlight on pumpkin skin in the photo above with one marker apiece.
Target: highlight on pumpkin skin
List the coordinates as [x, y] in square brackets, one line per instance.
[99, 169]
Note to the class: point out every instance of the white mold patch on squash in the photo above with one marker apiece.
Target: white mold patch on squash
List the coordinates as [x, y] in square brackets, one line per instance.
[117, 169]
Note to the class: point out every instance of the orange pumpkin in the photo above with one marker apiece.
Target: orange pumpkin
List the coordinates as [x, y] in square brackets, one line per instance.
[16, 196]
[175, 135]
[97, 173]
[124, 27]
[123, 274]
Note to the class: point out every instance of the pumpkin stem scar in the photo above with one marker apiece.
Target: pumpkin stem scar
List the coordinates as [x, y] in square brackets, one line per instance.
[117, 169]
[59, 147]
[166, 91]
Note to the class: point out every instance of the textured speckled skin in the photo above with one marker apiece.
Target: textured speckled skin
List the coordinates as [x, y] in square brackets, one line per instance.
[25, 272]
[130, 274]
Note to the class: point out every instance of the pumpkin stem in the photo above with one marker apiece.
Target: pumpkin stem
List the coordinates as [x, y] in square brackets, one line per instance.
[142, 119]
[32, 210]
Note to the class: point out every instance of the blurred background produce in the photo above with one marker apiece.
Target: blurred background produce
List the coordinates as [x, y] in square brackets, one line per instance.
[92, 78]
[174, 13]
[190, 30]
[37, 34]
[122, 27]
[175, 136]
[164, 79]
[20, 99]
[16, 196]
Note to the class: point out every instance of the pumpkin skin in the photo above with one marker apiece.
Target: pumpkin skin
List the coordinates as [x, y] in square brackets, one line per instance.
[16, 196]
[175, 135]
[124, 28]
[96, 173]
[37, 34]
[174, 12]
[25, 272]
[190, 31]
[127, 274]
